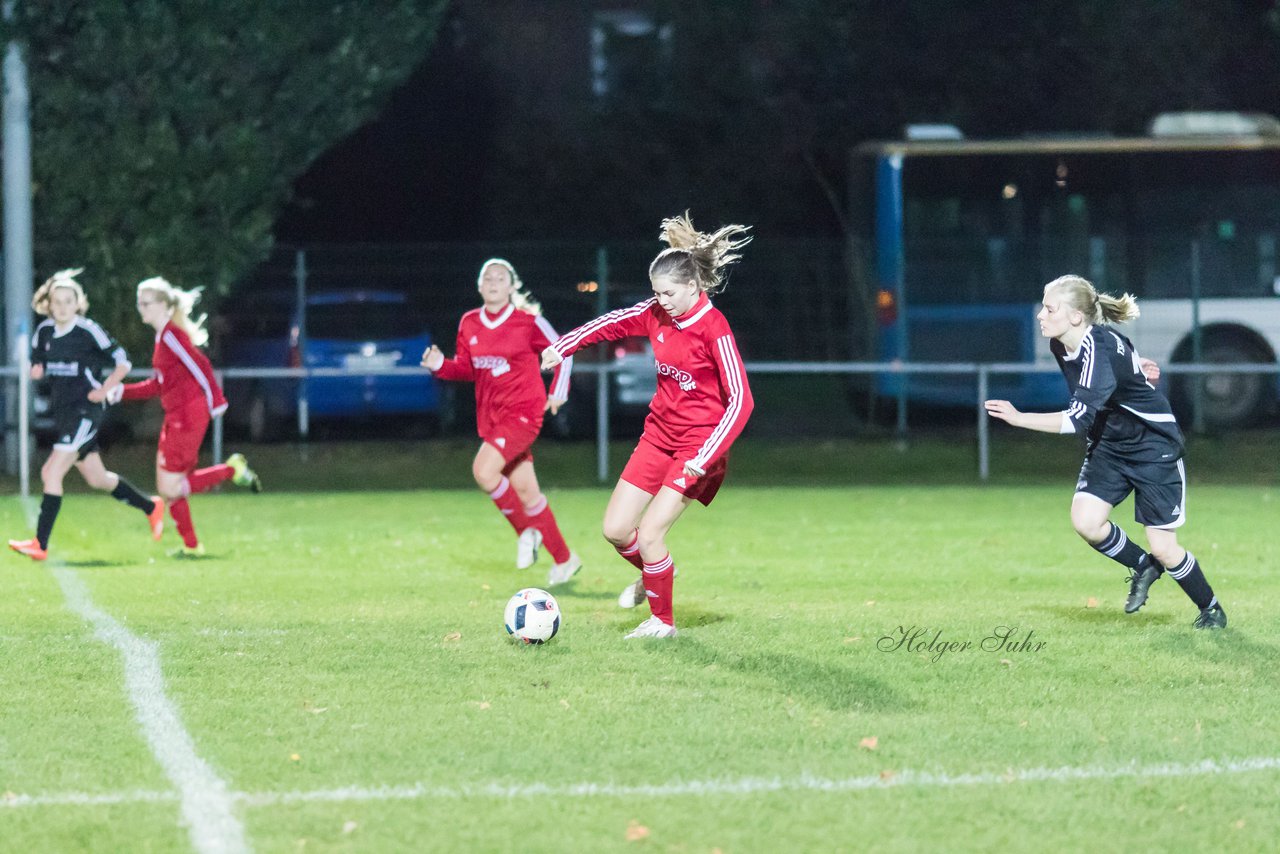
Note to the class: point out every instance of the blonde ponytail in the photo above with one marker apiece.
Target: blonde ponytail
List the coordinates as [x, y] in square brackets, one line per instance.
[181, 305]
[1079, 293]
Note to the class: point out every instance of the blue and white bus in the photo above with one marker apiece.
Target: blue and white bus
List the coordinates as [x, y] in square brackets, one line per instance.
[964, 232]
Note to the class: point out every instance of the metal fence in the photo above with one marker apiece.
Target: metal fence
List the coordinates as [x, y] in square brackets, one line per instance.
[826, 411]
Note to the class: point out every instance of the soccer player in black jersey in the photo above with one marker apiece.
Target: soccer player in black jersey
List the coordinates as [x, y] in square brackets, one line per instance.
[73, 352]
[1133, 442]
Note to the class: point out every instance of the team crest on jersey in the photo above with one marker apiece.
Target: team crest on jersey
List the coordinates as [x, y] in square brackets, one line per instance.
[683, 378]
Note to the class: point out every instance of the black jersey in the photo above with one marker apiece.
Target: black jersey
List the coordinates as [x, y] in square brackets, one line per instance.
[74, 361]
[1112, 404]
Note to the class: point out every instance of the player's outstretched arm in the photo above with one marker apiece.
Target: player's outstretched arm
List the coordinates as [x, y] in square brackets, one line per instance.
[432, 358]
[1044, 422]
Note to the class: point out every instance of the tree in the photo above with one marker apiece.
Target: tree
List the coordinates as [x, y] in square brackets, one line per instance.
[166, 134]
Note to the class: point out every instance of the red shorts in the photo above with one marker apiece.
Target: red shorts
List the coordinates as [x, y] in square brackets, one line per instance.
[181, 436]
[651, 468]
[513, 439]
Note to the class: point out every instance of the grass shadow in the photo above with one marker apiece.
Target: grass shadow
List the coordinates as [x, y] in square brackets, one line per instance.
[826, 683]
[1103, 616]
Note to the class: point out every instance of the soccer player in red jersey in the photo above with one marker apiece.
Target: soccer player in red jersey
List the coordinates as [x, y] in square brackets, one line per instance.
[701, 405]
[497, 349]
[190, 397]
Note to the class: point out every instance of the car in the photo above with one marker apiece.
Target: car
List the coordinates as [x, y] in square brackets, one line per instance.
[355, 329]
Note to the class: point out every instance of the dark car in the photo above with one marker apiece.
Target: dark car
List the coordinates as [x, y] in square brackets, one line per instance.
[355, 330]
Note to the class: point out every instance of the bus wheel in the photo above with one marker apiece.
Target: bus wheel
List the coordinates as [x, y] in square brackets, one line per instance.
[1230, 400]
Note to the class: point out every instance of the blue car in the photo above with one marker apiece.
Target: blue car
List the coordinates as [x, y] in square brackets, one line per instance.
[355, 330]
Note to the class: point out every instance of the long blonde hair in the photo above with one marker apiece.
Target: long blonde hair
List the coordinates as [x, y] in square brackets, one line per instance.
[181, 304]
[1079, 293]
[520, 298]
[61, 279]
[696, 257]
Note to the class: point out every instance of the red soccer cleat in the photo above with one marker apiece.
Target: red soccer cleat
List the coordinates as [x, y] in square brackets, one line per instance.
[156, 518]
[30, 548]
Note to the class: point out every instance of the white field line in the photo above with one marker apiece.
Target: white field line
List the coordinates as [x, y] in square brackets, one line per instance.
[206, 803]
[713, 787]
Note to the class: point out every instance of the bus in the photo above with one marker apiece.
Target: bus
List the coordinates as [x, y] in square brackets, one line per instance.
[963, 234]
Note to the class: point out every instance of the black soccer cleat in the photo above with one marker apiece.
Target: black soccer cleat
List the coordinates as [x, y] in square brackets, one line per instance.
[1212, 617]
[1140, 581]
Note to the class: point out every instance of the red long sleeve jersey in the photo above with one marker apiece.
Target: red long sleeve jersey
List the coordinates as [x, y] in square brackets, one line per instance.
[501, 354]
[703, 400]
[183, 373]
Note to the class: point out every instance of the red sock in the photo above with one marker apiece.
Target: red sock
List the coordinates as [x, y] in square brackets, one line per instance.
[181, 513]
[201, 480]
[509, 505]
[631, 551]
[657, 588]
[541, 517]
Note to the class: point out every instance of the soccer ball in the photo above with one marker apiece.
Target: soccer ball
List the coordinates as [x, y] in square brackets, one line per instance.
[532, 616]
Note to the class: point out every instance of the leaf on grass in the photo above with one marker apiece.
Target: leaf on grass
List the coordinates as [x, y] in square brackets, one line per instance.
[1239, 825]
[453, 636]
[869, 743]
[10, 795]
[564, 704]
[854, 639]
[870, 602]
[484, 704]
[318, 710]
[295, 757]
[636, 831]
[1006, 662]
[349, 827]
[485, 587]
[1091, 602]
[886, 775]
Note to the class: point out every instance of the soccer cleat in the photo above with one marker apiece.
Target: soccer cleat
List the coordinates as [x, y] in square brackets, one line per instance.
[30, 548]
[1212, 617]
[652, 628]
[185, 552]
[1140, 581]
[156, 518]
[633, 595]
[562, 572]
[527, 545]
[244, 476]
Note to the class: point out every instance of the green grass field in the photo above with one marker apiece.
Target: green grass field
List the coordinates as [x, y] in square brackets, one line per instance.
[340, 681]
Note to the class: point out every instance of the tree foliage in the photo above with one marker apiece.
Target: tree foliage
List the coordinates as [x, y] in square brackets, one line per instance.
[166, 134]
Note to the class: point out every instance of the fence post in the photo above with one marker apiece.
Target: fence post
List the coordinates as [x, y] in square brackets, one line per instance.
[300, 282]
[602, 379]
[984, 443]
[1197, 342]
[217, 423]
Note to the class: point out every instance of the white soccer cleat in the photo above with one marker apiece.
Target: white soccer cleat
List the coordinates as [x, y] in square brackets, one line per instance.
[633, 595]
[562, 572]
[527, 545]
[652, 628]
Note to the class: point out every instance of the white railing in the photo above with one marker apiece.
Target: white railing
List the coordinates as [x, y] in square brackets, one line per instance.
[981, 372]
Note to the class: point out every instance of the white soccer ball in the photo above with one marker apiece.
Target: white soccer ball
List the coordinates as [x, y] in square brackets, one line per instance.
[532, 616]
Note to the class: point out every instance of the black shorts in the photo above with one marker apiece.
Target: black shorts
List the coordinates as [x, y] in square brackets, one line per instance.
[1159, 488]
[77, 430]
